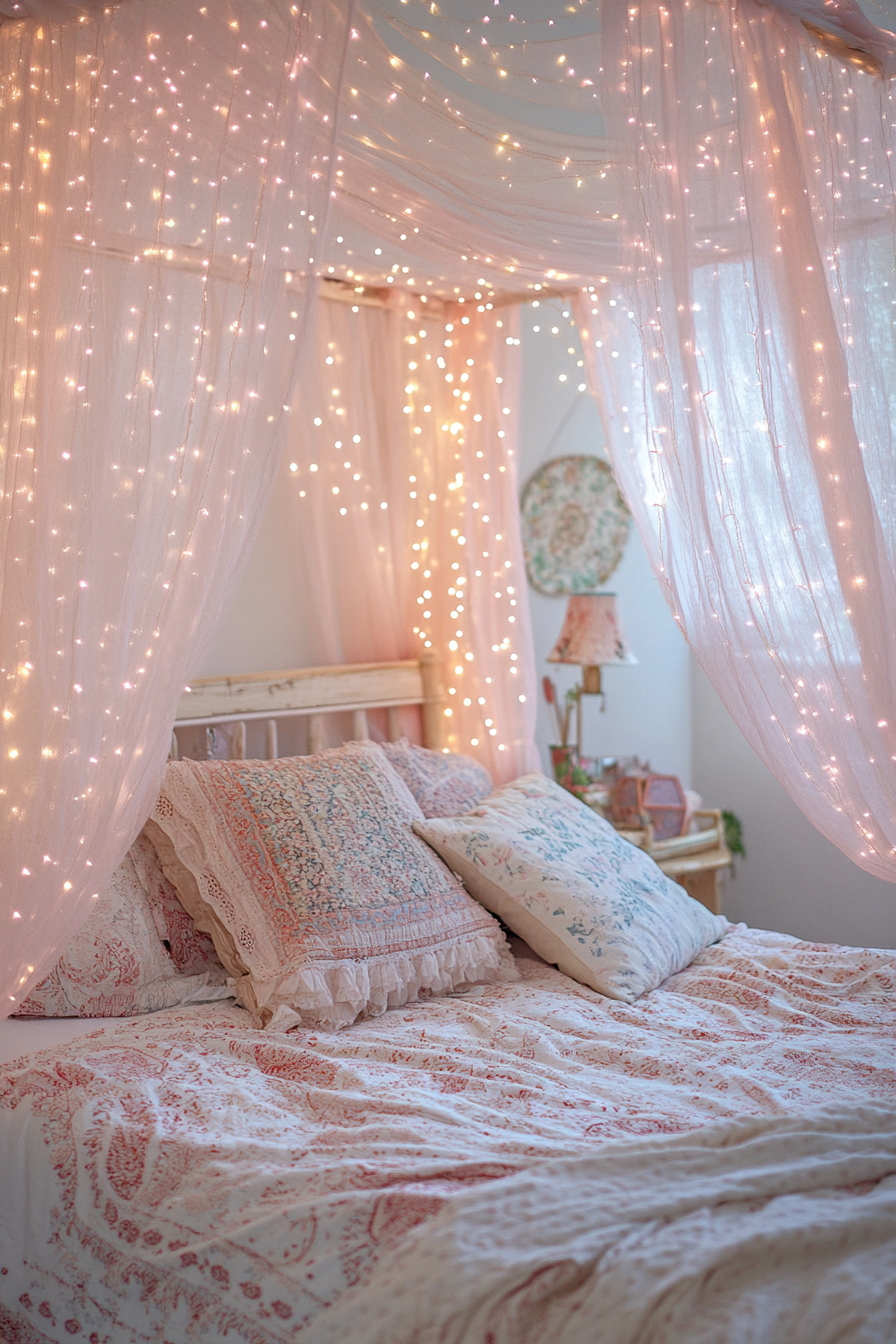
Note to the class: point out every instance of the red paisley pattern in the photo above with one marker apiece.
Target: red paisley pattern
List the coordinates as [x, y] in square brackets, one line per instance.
[194, 1179]
[122, 962]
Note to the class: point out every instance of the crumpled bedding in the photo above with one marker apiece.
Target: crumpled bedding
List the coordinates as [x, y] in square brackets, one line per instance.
[183, 1177]
[770, 1228]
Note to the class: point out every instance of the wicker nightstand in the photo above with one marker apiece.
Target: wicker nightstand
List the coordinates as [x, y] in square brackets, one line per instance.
[700, 874]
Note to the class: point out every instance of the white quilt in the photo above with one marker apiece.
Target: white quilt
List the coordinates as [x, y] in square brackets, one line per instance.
[745, 1232]
[526, 1163]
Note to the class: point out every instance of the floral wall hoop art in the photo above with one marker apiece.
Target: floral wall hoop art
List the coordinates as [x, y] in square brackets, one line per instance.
[575, 525]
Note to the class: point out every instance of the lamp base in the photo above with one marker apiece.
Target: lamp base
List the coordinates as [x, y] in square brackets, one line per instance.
[591, 679]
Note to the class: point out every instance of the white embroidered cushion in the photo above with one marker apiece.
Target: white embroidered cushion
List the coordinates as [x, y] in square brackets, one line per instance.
[117, 966]
[581, 896]
[318, 895]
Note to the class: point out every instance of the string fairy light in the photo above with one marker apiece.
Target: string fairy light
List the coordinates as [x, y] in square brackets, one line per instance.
[162, 174]
[407, 77]
[748, 410]
[455, 413]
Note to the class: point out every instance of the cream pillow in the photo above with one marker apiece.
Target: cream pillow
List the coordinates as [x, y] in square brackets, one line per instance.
[564, 880]
[320, 899]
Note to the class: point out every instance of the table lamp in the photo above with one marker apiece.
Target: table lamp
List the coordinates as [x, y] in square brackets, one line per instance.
[592, 637]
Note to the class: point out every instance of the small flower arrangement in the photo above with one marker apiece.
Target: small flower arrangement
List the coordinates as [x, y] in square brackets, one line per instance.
[561, 718]
[565, 757]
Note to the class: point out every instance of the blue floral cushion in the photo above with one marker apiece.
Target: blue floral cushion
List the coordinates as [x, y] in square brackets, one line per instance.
[580, 895]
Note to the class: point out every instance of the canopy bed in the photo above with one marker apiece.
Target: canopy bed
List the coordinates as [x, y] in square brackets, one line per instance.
[407, 1127]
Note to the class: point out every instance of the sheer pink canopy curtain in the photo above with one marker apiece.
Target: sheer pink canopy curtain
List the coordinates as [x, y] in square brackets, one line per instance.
[165, 167]
[746, 368]
[404, 490]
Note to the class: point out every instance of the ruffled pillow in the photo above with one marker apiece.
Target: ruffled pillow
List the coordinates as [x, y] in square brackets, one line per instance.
[191, 950]
[116, 964]
[443, 783]
[319, 897]
[580, 895]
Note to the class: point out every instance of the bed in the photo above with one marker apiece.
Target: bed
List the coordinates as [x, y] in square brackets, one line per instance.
[521, 1161]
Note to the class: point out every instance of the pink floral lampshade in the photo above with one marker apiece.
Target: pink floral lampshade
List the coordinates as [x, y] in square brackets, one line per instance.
[592, 635]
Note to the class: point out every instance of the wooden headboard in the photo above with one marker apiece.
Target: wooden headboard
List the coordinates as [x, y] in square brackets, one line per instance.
[312, 692]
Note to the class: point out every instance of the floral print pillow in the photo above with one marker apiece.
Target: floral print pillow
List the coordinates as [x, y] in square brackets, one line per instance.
[580, 895]
[443, 783]
[117, 966]
[321, 900]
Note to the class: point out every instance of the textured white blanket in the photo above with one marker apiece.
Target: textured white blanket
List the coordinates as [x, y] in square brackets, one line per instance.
[619, 1171]
[769, 1231]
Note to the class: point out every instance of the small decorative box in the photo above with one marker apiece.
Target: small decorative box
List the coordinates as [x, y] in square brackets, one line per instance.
[637, 800]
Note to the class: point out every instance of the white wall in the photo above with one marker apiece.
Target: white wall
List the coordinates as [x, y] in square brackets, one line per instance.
[648, 711]
[793, 879]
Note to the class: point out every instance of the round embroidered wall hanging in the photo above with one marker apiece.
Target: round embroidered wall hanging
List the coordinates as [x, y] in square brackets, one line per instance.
[575, 525]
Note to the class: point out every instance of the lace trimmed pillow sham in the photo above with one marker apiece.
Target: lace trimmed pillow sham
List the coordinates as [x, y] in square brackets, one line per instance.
[318, 895]
[443, 783]
[191, 950]
[564, 880]
[116, 964]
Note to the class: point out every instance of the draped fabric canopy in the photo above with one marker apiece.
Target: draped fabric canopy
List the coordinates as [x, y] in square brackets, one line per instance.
[474, 142]
[404, 499]
[162, 167]
[752, 398]
[717, 186]
[715, 180]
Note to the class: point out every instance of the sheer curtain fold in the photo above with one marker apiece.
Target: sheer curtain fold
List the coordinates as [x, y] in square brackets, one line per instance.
[744, 369]
[165, 166]
[50, 11]
[477, 146]
[404, 492]
[843, 28]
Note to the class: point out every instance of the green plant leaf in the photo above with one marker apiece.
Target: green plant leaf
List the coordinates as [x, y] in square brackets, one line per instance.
[734, 834]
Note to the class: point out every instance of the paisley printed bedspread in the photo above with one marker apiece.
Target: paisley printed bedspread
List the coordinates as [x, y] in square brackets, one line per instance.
[183, 1177]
